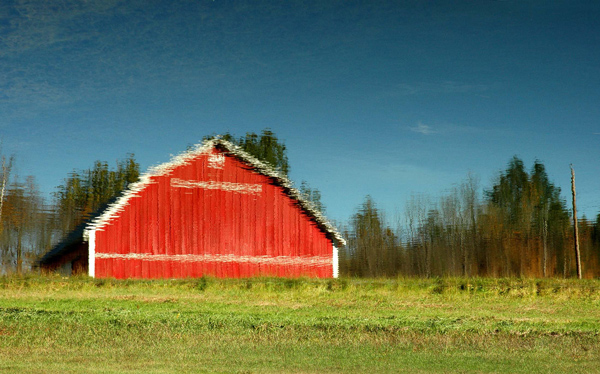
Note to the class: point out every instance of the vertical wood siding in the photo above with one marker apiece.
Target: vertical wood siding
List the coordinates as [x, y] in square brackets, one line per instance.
[212, 216]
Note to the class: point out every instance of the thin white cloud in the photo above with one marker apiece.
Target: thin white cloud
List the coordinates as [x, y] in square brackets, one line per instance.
[446, 129]
[422, 128]
[453, 128]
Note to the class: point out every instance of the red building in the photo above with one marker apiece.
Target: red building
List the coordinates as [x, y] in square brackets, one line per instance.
[214, 210]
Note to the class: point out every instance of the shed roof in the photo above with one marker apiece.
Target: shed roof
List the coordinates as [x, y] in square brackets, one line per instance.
[64, 246]
[75, 236]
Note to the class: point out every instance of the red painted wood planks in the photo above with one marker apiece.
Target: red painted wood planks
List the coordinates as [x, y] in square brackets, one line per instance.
[222, 209]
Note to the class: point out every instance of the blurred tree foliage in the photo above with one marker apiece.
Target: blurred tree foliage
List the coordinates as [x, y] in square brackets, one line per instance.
[85, 191]
[268, 148]
[372, 249]
[520, 227]
[265, 147]
[534, 218]
[25, 222]
[313, 195]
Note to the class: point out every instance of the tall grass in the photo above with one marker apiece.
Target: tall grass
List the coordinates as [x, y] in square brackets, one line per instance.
[298, 325]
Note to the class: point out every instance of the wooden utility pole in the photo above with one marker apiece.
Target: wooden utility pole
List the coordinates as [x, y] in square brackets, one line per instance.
[575, 229]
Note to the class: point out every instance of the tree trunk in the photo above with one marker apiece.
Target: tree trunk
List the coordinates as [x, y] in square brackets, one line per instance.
[545, 244]
[19, 252]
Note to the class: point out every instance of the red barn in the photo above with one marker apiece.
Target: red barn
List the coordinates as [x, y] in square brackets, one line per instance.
[214, 210]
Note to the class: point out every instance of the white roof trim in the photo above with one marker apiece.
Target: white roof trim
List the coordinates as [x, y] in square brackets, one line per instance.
[114, 209]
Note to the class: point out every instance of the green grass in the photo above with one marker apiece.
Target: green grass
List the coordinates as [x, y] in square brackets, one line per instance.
[266, 325]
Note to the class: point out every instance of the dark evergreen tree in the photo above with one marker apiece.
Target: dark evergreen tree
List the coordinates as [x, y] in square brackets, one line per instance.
[85, 191]
[313, 195]
[266, 147]
[372, 247]
[511, 190]
[534, 220]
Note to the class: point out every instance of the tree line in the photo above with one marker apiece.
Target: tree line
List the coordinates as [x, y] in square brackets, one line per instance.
[30, 226]
[519, 226]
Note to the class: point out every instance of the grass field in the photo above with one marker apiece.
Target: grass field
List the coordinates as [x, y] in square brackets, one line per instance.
[266, 325]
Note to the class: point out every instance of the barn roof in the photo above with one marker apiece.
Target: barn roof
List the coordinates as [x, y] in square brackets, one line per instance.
[231, 149]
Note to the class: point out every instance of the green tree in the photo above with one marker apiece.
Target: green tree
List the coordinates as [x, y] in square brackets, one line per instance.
[534, 219]
[372, 248]
[312, 195]
[86, 191]
[510, 192]
[265, 147]
[268, 148]
[21, 221]
[596, 231]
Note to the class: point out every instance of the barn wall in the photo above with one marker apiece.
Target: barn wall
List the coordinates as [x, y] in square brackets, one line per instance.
[211, 216]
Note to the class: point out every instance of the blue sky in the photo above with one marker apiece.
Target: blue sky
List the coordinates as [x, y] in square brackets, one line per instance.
[387, 98]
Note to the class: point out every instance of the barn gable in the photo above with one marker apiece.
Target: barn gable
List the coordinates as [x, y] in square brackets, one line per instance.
[214, 210]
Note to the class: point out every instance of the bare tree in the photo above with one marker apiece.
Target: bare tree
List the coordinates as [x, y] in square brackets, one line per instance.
[416, 216]
[6, 169]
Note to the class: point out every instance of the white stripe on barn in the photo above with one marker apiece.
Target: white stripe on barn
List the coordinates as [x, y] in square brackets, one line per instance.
[243, 188]
[264, 260]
